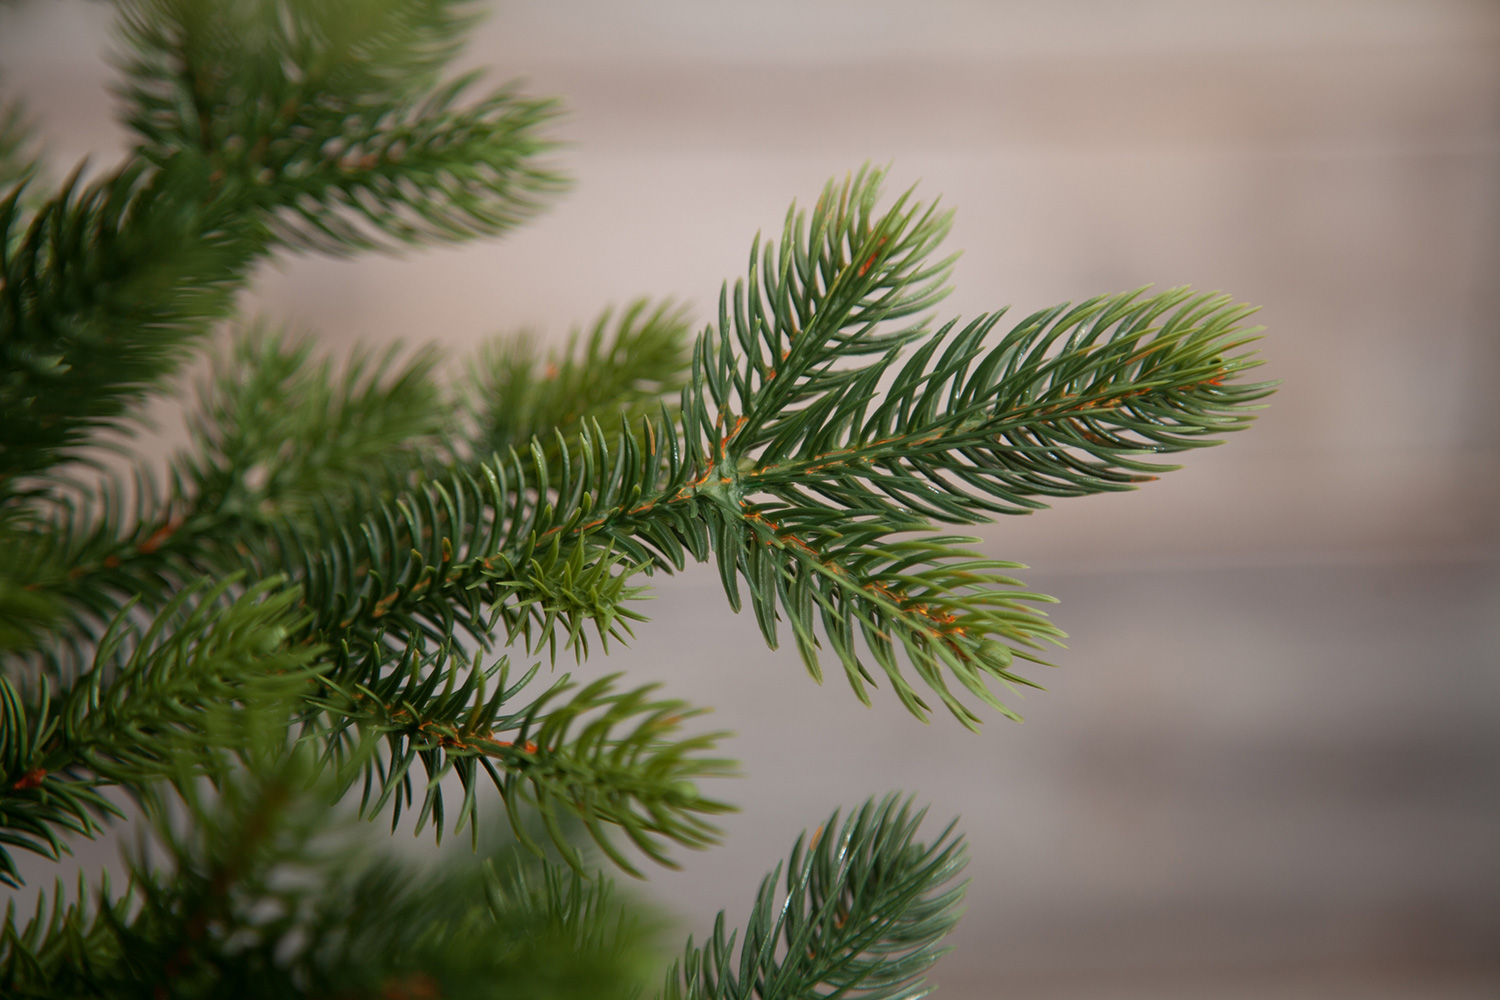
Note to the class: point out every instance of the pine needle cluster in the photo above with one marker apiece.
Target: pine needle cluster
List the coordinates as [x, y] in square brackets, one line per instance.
[355, 585]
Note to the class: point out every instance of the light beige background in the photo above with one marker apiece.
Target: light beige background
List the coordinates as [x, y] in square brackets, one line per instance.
[1268, 765]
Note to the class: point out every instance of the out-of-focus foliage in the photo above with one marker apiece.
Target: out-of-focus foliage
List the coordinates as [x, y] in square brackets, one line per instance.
[864, 907]
[252, 892]
[20, 158]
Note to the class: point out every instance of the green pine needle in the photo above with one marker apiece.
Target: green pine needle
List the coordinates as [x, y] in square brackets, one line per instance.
[586, 751]
[179, 696]
[257, 894]
[863, 909]
[333, 120]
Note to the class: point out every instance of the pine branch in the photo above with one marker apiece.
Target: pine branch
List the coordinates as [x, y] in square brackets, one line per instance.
[821, 299]
[276, 433]
[808, 481]
[862, 913]
[89, 550]
[428, 170]
[813, 506]
[1060, 407]
[184, 58]
[101, 294]
[63, 943]
[20, 158]
[310, 124]
[600, 756]
[335, 542]
[528, 930]
[332, 112]
[258, 898]
[944, 607]
[26, 616]
[168, 700]
[476, 552]
[622, 370]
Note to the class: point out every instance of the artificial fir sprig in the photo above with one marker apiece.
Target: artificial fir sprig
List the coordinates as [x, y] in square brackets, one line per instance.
[20, 158]
[261, 124]
[259, 898]
[326, 581]
[166, 698]
[256, 474]
[252, 892]
[815, 509]
[334, 117]
[863, 909]
[525, 543]
[822, 512]
[590, 752]
[621, 370]
[105, 286]
[277, 429]
[276, 432]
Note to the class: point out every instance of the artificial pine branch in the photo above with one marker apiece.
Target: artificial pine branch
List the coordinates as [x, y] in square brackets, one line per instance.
[814, 526]
[863, 908]
[619, 373]
[155, 700]
[319, 595]
[20, 159]
[816, 508]
[334, 117]
[277, 429]
[105, 287]
[598, 755]
[250, 893]
[263, 123]
[275, 432]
